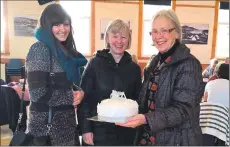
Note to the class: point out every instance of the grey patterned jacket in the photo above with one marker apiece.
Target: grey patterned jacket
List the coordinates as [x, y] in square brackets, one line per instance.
[63, 131]
[175, 120]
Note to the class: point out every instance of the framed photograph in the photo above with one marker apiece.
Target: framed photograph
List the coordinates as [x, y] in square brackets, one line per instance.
[195, 33]
[105, 22]
[24, 25]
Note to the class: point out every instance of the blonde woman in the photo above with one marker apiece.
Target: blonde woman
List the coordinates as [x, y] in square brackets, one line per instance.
[110, 69]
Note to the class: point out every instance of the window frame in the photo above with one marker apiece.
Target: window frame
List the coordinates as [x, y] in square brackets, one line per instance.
[215, 29]
[6, 51]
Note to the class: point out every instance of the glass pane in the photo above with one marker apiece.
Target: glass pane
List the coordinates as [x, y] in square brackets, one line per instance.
[222, 42]
[77, 8]
[222, 45]
[82, 35]
[148, 48]
[148, 12]
[80, 12]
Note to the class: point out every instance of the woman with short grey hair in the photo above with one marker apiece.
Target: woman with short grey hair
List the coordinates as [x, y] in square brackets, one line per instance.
[173, 18]
[110, 69]
[171, 92]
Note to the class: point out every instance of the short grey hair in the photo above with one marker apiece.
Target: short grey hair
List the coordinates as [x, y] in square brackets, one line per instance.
[171, 15]
[214, 61]
[117, 26]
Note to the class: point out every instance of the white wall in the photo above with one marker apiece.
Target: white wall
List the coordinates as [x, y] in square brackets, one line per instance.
[199, 16]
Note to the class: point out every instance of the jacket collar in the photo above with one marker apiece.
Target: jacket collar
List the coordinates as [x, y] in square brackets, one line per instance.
[182, 52]
[107, 56]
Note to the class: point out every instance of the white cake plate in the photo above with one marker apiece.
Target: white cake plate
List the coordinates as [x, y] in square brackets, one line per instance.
[107, 119]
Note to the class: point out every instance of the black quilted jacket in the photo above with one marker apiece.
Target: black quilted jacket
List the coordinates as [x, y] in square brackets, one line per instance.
[180, 87]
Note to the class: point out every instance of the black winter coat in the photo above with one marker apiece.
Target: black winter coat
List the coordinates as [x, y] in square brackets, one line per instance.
[101, 76]
[177, 105]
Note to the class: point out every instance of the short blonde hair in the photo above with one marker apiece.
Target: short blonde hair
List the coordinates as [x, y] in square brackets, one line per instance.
[171, 15]
[117, 26]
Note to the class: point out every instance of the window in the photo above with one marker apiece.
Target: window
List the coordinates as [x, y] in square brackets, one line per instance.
[222, 42]
[2, 29]
[149, 11]
[80, 12]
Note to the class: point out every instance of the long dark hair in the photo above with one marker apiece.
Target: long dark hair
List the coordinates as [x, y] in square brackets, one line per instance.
[52, 15]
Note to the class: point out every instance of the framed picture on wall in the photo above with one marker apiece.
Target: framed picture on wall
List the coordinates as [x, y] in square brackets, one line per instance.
[195, 33]
[105, 22]
[24, 25]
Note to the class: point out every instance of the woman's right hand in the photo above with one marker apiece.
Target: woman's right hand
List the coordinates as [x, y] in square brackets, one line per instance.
[88, 138]
[77, 97]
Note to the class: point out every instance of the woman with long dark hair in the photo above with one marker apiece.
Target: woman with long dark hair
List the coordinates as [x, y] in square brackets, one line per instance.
[54, 54]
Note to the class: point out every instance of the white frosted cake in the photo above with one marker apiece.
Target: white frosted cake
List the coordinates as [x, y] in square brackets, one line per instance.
[117, 108]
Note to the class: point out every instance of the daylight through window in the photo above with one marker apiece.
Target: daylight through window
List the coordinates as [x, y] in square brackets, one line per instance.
[149, 11]
[80, 12]
[222, 42]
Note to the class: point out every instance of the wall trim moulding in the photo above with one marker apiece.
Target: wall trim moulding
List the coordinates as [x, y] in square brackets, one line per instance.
[117, 1]
[197, 6]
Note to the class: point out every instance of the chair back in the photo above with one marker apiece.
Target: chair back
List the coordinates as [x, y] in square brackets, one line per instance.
[14, 64]
[214, 120]
[14, 69]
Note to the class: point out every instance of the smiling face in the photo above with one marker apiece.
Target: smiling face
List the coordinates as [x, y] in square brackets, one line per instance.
[118, 42]
[61, 31]
[163, 34]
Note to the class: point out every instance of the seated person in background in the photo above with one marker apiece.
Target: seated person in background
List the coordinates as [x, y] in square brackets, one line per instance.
[227, 60]
[210, 69]
[217, 91]
[214, 76]
[18, 89]
[3, 82]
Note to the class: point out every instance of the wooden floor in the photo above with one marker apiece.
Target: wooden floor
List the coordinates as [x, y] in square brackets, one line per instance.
[6, 135]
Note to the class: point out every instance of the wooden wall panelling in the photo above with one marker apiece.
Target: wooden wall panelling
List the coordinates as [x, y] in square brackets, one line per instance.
[6, 60]
[140, 29]
[92, 27]
[195, 6]
[118, 1]
[173, 5]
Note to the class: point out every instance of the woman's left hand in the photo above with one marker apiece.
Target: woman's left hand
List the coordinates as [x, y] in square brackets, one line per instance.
[134, 121]
[77, 97]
